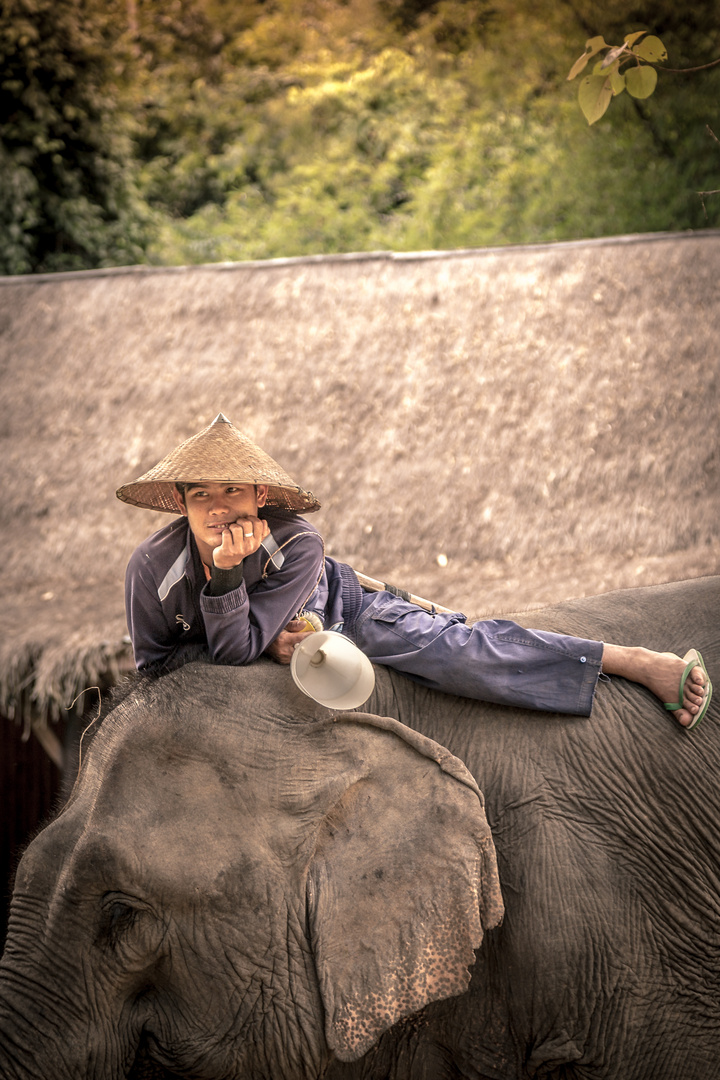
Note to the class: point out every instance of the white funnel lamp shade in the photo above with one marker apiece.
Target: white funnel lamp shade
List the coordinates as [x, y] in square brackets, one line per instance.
[330, 669]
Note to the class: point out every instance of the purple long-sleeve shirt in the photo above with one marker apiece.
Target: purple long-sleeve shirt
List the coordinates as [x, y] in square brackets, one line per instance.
[170, 608]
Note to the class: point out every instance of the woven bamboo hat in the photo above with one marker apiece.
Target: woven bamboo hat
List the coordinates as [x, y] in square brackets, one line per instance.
[218, 452]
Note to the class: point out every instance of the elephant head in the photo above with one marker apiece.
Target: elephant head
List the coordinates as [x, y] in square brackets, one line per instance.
[242, 887]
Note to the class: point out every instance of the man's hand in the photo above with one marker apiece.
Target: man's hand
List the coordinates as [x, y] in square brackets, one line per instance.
[282, 648]
[240, 539]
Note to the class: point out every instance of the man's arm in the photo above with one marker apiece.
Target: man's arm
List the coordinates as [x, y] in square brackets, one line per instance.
[241, 626]
[227, 575]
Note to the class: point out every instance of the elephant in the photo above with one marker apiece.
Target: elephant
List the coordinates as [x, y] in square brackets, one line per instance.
[245, 885]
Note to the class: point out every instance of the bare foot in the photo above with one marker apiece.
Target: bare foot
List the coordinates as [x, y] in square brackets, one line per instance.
[660, 673]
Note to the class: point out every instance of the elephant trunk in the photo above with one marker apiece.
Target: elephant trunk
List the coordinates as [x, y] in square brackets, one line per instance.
[39, 1034]
[22, 1049]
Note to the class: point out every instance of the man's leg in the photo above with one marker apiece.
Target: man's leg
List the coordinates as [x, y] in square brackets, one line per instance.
[495, 660]
[499, 661]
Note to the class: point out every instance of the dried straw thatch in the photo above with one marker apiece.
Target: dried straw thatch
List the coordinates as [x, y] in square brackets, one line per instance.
[542, 419]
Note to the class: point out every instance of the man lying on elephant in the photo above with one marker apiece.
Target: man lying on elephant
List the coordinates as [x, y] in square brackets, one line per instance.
[240, 568]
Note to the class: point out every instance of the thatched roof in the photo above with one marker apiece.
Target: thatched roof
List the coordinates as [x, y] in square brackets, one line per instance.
[544, 418]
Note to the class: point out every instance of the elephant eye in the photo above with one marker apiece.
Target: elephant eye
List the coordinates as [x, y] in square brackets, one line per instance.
[119, 916]
[122, 917]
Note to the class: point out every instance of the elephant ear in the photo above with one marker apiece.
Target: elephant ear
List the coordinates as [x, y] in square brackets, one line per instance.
[402, 883]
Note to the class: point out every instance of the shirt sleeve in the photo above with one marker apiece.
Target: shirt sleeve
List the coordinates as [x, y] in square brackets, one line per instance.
[153, 645]
[240, 625]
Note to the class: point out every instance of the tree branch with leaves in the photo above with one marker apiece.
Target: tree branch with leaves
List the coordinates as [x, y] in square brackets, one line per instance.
[623, 67]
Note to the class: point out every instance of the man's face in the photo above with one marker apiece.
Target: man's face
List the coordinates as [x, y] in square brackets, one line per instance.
[212, 505]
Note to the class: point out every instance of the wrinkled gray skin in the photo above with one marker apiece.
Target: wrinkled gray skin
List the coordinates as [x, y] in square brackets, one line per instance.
[244, 886]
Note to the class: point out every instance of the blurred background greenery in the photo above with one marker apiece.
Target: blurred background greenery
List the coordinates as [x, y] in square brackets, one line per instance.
[195, 131]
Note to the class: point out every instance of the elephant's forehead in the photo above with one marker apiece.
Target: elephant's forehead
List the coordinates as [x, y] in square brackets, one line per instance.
[211, 760]
[198, 812]
[194, 856]
[188, 803]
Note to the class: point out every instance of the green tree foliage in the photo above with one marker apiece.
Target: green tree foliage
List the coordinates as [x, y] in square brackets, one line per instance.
[65, 197]
[266, 128]
[431, 125]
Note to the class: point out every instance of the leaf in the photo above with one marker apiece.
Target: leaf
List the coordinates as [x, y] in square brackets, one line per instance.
[630, 38]
[617, 82]
[594, 96]
[592, 46]
[641, 81]
[602, 66]
[651, 49]
[613, 55]
[578, 66]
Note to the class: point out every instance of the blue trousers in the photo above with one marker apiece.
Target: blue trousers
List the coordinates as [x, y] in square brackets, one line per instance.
[494, 660]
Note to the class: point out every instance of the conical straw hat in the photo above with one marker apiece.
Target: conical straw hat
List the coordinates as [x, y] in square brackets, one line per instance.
[218, 452]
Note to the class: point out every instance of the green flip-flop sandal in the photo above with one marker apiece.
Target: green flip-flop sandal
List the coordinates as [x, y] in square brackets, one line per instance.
[693, 659]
